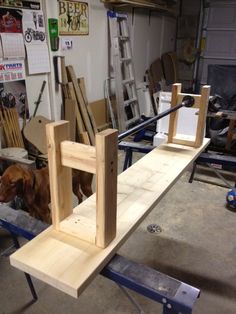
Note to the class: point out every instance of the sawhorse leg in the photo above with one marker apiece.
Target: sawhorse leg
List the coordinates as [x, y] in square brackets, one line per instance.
[128, 158]
[9, 227]
[28, 278]
[193, 172]
[174, 295]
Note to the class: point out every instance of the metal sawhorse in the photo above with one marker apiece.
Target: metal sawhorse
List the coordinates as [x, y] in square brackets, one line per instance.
[217, 159]
[129, 148]
[174, 295]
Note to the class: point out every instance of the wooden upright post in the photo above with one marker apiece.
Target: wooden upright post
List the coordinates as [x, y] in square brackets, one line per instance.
[106, 192]
[176, 89]
[203, 106]
[60, 176]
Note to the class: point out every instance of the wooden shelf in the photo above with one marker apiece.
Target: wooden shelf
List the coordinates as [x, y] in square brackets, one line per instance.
[149, 4]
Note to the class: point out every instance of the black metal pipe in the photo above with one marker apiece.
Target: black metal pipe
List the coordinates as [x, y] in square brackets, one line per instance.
[188, 101]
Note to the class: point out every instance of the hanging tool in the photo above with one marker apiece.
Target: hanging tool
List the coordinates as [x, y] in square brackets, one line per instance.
[38, 101]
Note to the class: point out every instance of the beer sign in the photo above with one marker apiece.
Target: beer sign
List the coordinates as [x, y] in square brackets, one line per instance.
[73, 18]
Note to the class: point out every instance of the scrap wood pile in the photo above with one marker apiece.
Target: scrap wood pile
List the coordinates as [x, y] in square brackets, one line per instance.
[77, 110]
[10, 122]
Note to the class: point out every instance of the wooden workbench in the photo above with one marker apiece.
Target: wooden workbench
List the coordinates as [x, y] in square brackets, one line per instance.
[70, 264]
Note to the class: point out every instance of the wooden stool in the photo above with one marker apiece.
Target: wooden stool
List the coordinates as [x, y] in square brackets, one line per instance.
[102, 161]
[201, 102]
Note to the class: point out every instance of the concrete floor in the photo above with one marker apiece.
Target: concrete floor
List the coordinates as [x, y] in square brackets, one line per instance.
[197, 245]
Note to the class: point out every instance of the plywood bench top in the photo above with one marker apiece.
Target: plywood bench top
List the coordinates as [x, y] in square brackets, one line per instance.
[70, 264]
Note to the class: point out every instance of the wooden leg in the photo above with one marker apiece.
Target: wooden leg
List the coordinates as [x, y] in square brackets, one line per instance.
[106, 186]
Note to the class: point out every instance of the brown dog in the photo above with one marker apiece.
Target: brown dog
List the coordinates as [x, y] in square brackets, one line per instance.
[33, 187]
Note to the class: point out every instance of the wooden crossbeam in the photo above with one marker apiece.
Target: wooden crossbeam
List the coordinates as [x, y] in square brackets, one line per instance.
[78, 156]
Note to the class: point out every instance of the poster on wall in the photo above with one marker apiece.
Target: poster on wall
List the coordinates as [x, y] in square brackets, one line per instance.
[10, 21]
[33, 5]
[12, 71]
[34, 27]
[73, 18]
[13, 95]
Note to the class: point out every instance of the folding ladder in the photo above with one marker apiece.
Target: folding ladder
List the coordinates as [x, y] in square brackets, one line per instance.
[126, 93]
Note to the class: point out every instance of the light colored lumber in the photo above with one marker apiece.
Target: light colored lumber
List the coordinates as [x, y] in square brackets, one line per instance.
[80, 227]
[106, 186]
[60, 176]
[35, 132]
[203, 107]
[5, 128]
[10, 127]
[90, 113]
[84, 160]
[80, 123]
[17, 125]
[82, 104]
[184, 140]
[10, 121]
[70, 264]
[176, 89]
[70, 116]
[84, 138]
[99, 110]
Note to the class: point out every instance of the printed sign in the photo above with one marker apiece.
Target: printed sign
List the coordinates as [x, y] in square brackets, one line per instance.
[10, 21]
[11, 71]
[73, 18]
[33, 5]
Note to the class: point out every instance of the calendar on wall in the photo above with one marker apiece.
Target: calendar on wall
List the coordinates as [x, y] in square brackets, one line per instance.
[35, 42]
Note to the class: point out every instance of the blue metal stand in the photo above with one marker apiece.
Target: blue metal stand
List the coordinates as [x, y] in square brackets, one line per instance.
[15, 231]
[129, 148]
[174, 295]
[213, 158]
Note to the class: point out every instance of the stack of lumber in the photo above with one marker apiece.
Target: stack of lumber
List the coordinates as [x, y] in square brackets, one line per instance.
[77, 110]
[10, 122]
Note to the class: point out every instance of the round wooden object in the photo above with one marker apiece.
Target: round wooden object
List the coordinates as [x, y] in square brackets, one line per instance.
[14, 152]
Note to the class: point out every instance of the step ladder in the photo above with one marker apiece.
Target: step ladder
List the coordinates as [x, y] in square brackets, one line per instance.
[123, 70]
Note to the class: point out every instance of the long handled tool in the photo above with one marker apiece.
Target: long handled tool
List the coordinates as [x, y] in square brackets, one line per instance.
[38, 101]
[188, 101]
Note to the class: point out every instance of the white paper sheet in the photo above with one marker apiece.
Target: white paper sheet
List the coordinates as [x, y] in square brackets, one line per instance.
[13, 45]
[38, 59]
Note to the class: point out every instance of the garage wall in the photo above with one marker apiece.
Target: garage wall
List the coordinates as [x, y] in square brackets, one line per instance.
[219, 31]
[151, 36]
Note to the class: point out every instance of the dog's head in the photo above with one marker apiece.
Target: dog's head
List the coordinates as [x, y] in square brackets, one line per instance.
[12, 183]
